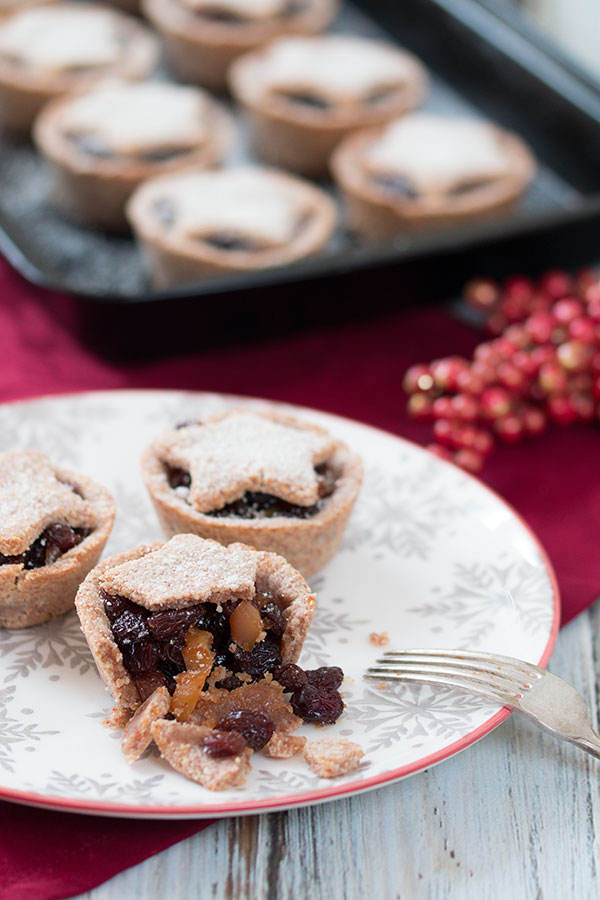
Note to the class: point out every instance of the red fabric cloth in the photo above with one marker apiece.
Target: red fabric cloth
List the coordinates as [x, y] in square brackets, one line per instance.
[354, 370]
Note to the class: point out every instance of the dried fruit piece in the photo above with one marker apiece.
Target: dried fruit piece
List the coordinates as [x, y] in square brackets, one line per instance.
[264, 657]
[326, 677]
[188, 687]
[221, 744]
[256, 727]
[246, 625]
[317, 704]
[290, 677]
[197, 651]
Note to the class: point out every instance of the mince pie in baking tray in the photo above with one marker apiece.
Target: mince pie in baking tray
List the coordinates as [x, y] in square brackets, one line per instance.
[469, 59]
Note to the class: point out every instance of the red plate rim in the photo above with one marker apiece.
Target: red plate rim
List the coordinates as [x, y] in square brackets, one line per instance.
[289, 801]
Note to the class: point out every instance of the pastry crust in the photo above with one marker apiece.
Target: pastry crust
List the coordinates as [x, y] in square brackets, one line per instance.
[302, 138]
[200, 51]
[308, 544]
[272, 573]
[174, 258]
[375, 212]
[95, 189]
[24, 90]
[32, 596]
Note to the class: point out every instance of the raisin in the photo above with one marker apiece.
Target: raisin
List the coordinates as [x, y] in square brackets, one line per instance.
[264, 657]
[273, 619]
[171, 660]
[178, 477]
[221, 744]
[165, 625]
[317, 704]
[327, 677]
[62, 536]
[230, 683]
[209, 619]
[115, 606]
[256, 727]
[147, 684]
[290, 677]
[130, 627]
[140, 658]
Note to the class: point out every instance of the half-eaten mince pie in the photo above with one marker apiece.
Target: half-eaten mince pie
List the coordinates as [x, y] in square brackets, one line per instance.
[303, 95]
[267, 480]
[425, 170]
[48, 50]
[54, 524]
[108, 139]
[198, 644]
[203, 37]
[197, 224]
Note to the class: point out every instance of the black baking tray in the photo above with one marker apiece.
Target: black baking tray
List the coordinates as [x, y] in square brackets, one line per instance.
[484, 60]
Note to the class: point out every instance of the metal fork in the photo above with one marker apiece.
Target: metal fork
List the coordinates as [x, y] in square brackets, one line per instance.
[547, 700]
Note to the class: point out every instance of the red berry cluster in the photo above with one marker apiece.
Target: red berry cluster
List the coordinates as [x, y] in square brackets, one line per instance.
[542, 365]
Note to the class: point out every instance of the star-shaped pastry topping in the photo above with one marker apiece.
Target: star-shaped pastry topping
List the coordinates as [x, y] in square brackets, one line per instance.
[185, 570]
[248, 451]
[32, 497]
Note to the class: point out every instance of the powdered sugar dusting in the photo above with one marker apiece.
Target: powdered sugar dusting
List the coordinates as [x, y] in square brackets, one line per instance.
[246, 451]
[187, 569]
[438, 152]
[32, 497]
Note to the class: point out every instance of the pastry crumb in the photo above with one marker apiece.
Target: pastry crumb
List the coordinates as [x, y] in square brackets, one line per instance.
[379, 638]
[137, 735]
[331, 757]
[284, 746]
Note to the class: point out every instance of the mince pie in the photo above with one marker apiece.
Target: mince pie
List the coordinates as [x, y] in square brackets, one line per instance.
[264, 479]
[304, 94]
[195, 224]
[426, 170]
[48, 50]
[105, 141]
[53, 528]
[198, 644]
[203, 37]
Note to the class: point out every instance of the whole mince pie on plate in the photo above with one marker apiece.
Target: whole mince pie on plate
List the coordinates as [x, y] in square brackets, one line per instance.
[203, 37]
[54, 524]
[49, 50]
[425, 170]
[302, 95]
[195, 224]
[106, 140]
[198, 644]
[261, 478]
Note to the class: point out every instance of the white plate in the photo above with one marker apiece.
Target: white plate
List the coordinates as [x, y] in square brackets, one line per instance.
[431, 557]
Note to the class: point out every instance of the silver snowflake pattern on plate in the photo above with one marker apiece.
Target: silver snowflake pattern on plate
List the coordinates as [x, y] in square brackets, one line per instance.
[411, 713]
[403, 515]
[105, 787]
[16, 731]
[480, 591]
[56, 644]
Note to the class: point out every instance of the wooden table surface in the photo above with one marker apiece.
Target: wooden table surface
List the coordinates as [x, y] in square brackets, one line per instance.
[511, 818]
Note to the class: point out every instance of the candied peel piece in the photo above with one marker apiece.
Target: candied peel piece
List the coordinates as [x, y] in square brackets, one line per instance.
[246, 625]
[264, 696]
[199, 658]
[331, 757]
[182, 745]
[137, 735]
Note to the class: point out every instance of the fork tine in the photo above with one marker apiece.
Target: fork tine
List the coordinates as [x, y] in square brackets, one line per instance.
[494, 679]
[476, 656]
[470, 686]
[450, 664]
